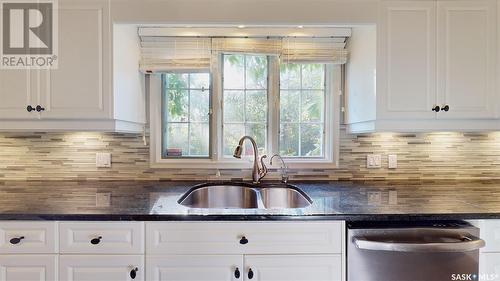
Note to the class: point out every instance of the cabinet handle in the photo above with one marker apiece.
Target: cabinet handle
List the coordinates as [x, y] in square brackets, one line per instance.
[250, 273]
[96, 241]
[133, 273]
[39, 108]
[16, 240]
[243, 240]
[30, 108]
[436, 108]
[445, 108]
[237, 273]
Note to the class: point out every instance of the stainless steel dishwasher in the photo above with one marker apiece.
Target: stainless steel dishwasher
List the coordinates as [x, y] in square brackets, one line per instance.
[412, 251]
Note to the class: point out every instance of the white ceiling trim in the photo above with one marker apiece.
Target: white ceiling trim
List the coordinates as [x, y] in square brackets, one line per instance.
[152, 32]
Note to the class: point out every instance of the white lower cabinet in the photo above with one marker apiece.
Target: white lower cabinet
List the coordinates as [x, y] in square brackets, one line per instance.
[248, 267]
[489, 266]
[264, 251]
[194, 268]
[293, 268]
[28, 267]
[171, 251]
[101, 268]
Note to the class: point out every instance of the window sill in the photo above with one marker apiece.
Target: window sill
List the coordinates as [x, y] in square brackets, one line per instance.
[242, 164]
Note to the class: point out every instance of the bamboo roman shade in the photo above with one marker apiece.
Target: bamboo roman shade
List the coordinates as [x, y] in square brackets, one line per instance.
[312, 50]
[162, 54]
[263, 46]
[167, 54]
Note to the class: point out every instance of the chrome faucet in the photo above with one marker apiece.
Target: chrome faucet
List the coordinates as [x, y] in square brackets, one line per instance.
[257, 172]
[284, 168]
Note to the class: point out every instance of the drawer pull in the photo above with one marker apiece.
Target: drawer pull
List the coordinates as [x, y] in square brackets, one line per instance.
[16, 240]
[133, 273]
[250, 273]
[96, 241]
[237, 273]
[243, 240]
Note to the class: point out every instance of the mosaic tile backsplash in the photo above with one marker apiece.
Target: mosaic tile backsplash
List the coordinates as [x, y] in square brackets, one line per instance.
[67, 156]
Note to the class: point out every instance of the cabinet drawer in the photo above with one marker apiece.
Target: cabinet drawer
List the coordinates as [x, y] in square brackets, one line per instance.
[101, 237]
[28, 267]
[28, 237]
[230, 238]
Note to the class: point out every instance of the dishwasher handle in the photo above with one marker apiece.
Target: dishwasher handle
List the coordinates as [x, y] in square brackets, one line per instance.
[465, 244]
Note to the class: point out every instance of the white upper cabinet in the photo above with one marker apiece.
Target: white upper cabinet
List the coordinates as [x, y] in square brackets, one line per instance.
[467, 58]
[436, 68]
[79, 88]
[79, 94]
[15, 94]
[407, 60]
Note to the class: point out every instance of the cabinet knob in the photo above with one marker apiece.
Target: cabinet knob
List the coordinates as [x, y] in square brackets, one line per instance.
[133, 273]
[237, 273]
[30, 108]
[16, 240]
[445, 108]
[436, 108]
[250, 273]
[243, 240]
[96, 241]
[39, 108]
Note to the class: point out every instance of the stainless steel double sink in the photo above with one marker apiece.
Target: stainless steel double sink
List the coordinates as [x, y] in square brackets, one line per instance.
[245, 196]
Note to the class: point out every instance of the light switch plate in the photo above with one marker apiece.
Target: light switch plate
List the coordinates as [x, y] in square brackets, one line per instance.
[393, 197]
[393, 161]
[103, 199]
[373, 161]
[103, 160]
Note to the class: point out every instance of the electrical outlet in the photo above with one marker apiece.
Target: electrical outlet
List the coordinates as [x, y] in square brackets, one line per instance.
[103, 160]
[373, 161]
[393, 161]
[374, 198]
[103, 199]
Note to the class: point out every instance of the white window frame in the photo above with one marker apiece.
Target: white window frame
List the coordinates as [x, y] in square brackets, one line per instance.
[217, 160]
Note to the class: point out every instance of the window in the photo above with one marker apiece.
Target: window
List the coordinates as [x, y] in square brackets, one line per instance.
[244, 101]
[290, 107]
[186, 120]
[302, 110]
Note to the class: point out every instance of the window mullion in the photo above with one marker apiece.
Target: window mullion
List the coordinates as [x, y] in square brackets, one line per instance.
[217, 131]
[274, 106]
[189, 114]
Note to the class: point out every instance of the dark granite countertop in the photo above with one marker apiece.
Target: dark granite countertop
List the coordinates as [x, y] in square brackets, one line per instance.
[145, 201]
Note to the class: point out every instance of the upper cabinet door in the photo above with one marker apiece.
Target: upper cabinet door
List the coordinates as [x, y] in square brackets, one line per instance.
[407, 54]
[467, 58]
[79, 87]
[16, 94]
